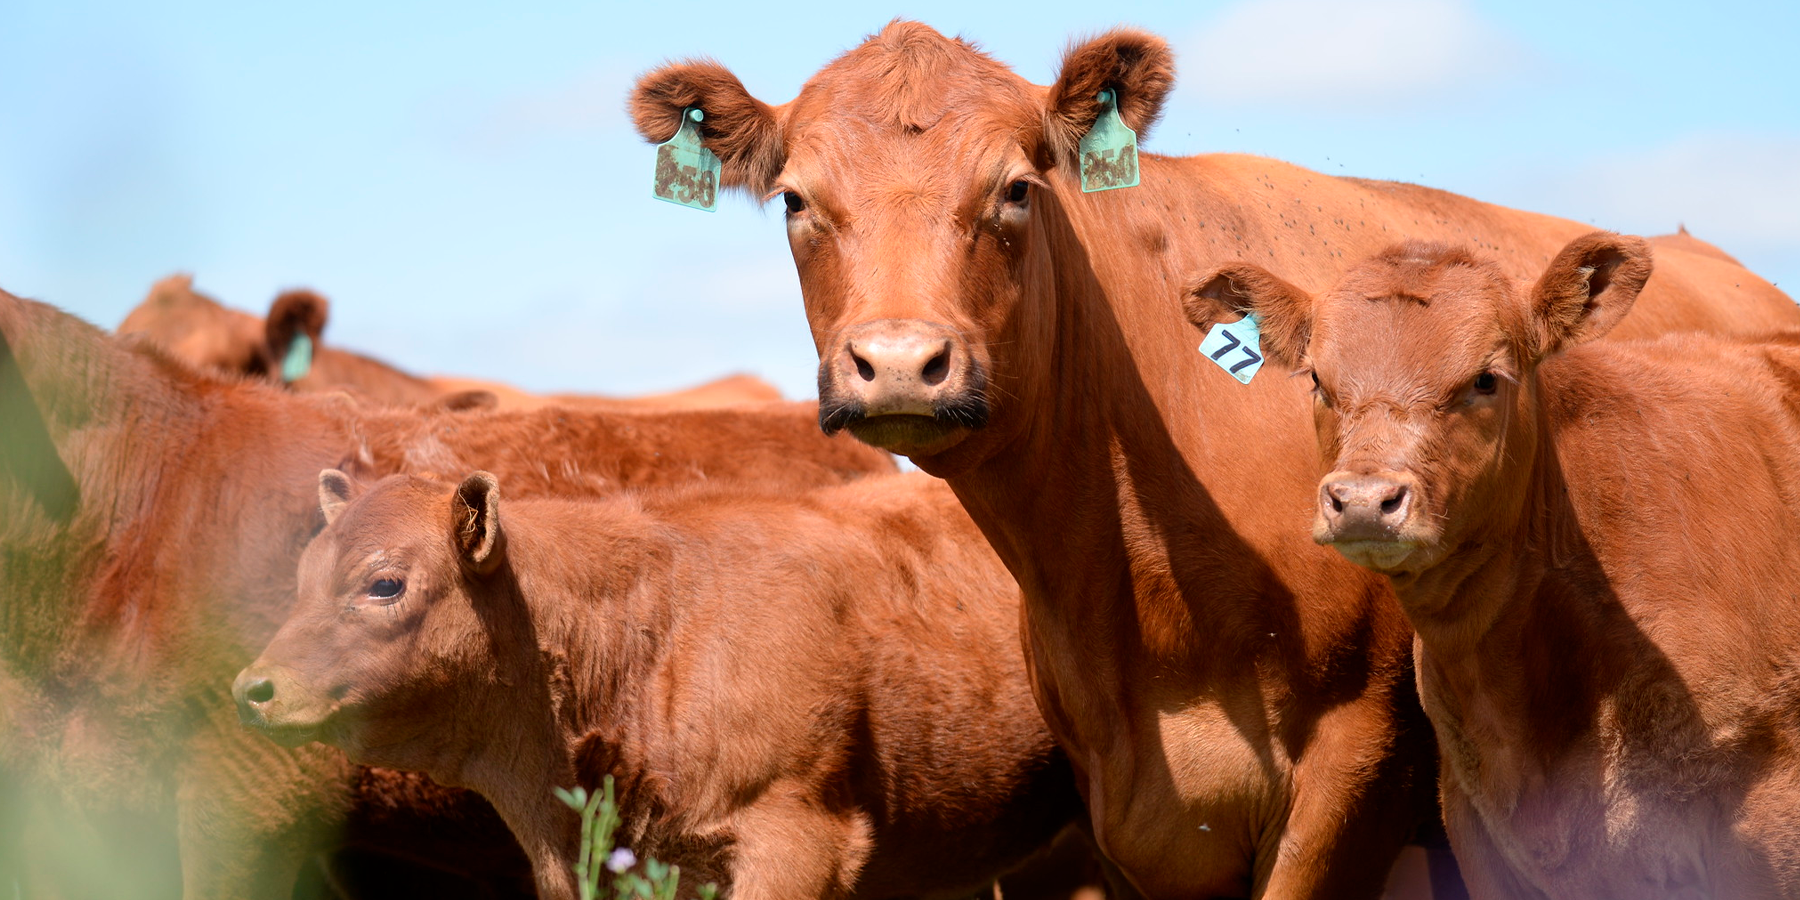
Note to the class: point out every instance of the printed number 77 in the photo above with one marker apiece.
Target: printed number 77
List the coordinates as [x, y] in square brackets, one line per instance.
[1251, 357]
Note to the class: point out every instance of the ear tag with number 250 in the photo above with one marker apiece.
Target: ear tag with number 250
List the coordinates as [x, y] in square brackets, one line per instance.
[1108, 151]
[686, 172]
[1236, 347]
[298, 360]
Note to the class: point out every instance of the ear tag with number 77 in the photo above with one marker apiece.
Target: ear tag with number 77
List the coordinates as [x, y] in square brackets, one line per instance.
[686, 172]
[1108, 152]
[1236, 347]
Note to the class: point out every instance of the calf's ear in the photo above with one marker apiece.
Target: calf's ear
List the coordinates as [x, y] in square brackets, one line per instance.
[739, 129]
[292, 314]
[475, 517]
[1138, 67]
[1283, 311]
[1588, 288]
[336, 490]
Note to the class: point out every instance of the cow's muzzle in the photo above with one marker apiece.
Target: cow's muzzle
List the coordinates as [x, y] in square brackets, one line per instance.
[1369, 518]
[272, 702]
[904, 385]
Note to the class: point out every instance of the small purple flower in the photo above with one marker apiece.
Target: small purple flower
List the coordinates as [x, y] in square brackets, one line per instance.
[620, 860]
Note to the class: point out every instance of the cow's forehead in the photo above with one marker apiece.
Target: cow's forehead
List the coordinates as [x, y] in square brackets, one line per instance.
[397, 509]
[910, 92]
[1414, 322]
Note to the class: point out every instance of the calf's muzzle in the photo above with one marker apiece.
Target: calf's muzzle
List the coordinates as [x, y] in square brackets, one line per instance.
[1364, 507]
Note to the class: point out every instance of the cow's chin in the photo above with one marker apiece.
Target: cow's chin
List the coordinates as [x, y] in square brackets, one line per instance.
[908, 435]
[1394, 557]
[292, 734]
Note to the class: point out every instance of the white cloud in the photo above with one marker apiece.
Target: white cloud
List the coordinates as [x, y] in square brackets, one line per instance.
[1734, 189]
[1337, 54]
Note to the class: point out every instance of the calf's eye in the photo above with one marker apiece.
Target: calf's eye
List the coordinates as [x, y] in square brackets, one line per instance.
[386, 589]
[793, 201]
[1018, 191]
[1486, 383]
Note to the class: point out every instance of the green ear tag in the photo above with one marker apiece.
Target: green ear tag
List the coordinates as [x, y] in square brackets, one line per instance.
[1109, 150]
[1236, 347]
[686, 172]
[298, 361]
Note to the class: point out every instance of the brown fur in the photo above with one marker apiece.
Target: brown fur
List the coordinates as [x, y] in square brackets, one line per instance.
[125, 621]
[1237, 702]
[1598, 554]
[199, 331]
[799, 696]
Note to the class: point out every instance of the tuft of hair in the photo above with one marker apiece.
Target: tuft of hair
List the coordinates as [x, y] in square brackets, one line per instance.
[1138, 67]
[1414, 267]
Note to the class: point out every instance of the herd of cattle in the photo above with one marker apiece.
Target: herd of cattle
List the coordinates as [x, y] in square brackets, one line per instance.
[1499, 544]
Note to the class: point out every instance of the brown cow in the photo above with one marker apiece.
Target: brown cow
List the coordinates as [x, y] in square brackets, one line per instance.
[1597, 545]
[149, 531]
[200, 331]
[799, 696]
[1237, 702]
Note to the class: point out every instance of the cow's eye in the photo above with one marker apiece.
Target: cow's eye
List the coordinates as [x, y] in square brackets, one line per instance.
[1487, 383]
[1018, 191]
[386, 589]
[793, 201]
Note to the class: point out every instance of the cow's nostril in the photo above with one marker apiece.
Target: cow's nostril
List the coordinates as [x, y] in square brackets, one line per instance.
[262, 690]
[937, 368]
[1392, 504]
[863, 368]
[1337, 503]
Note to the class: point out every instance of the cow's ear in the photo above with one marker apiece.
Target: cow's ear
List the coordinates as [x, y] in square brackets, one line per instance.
[475, 518]
[336, 490]
[293, 313]
[1588, 288]
[1283, 311]
[1138, 67]
[739, 129]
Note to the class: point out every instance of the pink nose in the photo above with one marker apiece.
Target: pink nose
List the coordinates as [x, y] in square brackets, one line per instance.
[898, 367]
[1364, 507]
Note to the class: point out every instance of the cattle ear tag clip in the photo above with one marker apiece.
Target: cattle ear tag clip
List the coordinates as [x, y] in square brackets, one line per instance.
[1236, 347]
[298, 360]
[1108, 151]
[686, 172]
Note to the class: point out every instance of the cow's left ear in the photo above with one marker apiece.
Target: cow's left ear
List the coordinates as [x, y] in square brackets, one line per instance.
[1138, 67]
[475, 518]
[294, 313]
[1587, 289]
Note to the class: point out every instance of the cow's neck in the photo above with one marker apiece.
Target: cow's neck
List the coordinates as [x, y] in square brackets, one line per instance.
[1517, 630]
[1152, 508]
[582, 583]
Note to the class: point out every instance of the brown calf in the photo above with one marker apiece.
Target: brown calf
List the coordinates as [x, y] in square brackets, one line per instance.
[150, 525]
[813, 696]
[1597, 545]
[198, 330]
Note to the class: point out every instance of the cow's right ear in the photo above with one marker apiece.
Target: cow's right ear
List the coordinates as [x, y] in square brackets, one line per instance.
[739, 129]
[336, 490]
[475, 518]
[1283, 311]
[294, 313]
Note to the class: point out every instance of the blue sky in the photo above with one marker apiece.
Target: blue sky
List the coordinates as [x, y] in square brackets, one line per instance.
[462, 182]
